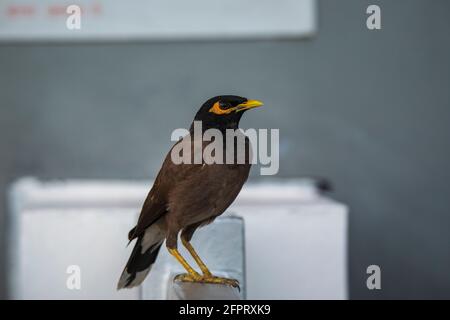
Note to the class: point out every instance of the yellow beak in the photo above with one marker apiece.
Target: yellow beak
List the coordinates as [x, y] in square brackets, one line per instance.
[249, 104]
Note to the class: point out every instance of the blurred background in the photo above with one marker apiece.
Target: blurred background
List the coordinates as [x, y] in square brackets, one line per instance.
[367, 109]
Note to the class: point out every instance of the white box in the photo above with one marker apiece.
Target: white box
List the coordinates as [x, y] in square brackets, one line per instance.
[295, 239]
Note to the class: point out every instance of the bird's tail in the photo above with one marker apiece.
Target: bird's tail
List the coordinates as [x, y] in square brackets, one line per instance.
[142, 258]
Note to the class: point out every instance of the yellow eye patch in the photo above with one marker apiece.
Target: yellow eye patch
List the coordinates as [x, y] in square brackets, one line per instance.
[217, 110]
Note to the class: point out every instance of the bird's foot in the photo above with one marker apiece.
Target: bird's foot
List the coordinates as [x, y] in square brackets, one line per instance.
[187, 277]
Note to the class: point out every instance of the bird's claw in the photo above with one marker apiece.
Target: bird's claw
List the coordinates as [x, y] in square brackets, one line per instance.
[187, 277]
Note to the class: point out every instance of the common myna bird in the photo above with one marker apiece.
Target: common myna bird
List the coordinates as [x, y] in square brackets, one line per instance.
[187, 196]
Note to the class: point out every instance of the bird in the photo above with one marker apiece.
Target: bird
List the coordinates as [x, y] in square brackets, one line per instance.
[186, 196]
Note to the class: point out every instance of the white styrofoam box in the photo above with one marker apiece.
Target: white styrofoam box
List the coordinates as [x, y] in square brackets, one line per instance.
[49, 241]
[296, 252]
[295, 239]
[157, 19]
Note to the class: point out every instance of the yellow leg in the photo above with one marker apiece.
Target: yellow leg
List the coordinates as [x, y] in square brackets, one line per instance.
[207, 275]
[196, 257]
[192, 274]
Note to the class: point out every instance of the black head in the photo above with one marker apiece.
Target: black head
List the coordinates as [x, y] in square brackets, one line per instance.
[224, 112]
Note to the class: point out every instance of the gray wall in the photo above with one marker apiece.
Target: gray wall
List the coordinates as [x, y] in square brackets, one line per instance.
[370, 110]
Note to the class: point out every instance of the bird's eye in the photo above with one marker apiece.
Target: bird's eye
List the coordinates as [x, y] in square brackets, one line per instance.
[224, 105]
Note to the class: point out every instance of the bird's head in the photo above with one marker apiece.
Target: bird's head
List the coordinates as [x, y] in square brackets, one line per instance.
[224, 111]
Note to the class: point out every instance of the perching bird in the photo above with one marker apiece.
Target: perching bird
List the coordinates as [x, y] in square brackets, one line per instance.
[187, 196]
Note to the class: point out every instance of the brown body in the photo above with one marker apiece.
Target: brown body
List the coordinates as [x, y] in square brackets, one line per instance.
[191, 195]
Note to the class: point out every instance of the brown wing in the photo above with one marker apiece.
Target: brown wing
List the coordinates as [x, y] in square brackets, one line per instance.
[155, 205]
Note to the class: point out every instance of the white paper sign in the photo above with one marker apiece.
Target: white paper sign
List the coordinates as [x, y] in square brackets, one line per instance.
[22, 20]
